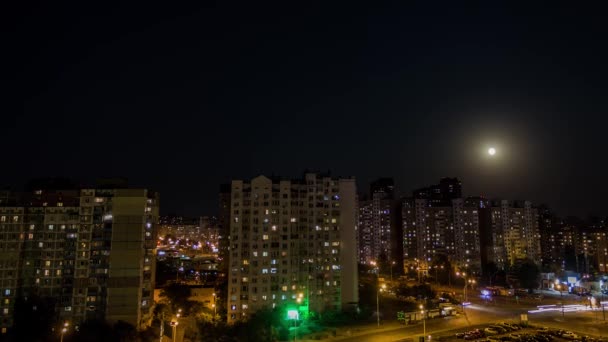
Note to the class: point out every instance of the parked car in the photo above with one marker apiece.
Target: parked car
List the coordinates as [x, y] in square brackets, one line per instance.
[491, 331]
[500, 329]
[569, 335]
[506, 327]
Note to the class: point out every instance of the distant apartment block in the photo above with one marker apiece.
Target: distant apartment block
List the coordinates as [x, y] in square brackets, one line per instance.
[378, 223]
[515, 234]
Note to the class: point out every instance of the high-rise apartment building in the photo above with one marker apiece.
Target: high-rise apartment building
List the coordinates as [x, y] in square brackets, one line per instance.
[451, 228]
[378, 224]
[515, 233]
[292, 242]
[90, 250]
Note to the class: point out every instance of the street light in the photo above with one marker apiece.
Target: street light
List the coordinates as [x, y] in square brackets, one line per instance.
[373, 263]
[294, 315]
[175, 323]
[174, 326]
[64, 330]
[392, 264]
[423, 321]
[214, 306]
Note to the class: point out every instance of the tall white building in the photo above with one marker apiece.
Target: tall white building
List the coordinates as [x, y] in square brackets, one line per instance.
[292, 242]
[515, 232]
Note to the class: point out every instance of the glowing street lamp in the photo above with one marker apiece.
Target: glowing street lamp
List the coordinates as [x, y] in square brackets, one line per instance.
[174, 326]
[214, 306]
[423, 320]
[373, 263]
[64, 329]
[293, 315]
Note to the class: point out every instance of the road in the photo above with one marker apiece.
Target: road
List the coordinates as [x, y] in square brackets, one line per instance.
[502, 309]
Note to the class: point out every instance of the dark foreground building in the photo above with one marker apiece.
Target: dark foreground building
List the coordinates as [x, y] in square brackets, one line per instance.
[91, 251]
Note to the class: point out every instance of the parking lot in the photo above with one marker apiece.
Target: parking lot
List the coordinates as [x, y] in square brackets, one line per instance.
[506, 332]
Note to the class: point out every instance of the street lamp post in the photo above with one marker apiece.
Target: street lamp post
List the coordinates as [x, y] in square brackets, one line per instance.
[377, 293]
[64, 329]
[214, 306]
[392, 264]
[175, 323]
[423, 321]
[162, 326]
[174, 326]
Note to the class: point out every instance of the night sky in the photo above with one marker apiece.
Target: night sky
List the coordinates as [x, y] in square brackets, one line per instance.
[181, 99]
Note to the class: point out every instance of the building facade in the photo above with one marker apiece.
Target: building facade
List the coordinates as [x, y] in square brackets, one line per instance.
[292, 242]
[92, 251]
[450, 228]
[515, 233]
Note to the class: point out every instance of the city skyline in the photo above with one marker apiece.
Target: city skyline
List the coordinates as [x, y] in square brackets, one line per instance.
[62, 183]
[169, 95]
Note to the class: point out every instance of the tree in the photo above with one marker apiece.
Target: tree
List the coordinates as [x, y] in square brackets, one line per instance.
[441, 268]
[124, 332]
[403, 291]
[35, 319]
[383, 263]
[528, 274]
[94, 330]
[177, 294]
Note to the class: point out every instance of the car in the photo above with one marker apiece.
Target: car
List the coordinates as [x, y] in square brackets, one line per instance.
[511, 325]
[569, 335]
[491, 331]
[542, 338]
[500, 329]
[460, 335]
[515, 337]
[507, 327]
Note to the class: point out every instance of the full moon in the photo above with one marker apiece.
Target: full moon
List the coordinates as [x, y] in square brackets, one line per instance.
[491, 151]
